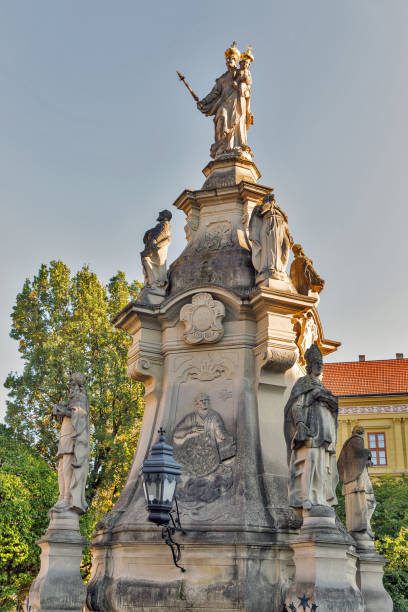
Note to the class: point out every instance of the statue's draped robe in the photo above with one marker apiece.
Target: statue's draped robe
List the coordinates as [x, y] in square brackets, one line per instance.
[313, 472]
[154, 256]
[74, 440]
[357, 488]
[304, 276]
[269, 238]
[229, 109]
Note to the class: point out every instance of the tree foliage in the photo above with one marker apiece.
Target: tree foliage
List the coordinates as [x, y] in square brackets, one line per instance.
[28, 488]
[390, 525]
[62, 323]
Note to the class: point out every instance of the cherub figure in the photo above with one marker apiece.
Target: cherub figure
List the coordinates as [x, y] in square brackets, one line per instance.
[243, 82]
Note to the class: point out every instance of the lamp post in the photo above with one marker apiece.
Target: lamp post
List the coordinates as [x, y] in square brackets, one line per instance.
[160, 476]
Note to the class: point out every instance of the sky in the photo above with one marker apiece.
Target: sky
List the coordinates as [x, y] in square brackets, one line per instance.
[98, 135]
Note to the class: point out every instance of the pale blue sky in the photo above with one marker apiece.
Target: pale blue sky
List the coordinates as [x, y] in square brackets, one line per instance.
[98, 135]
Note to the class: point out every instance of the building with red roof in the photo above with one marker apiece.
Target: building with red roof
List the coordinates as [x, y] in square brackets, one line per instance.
[375, 395]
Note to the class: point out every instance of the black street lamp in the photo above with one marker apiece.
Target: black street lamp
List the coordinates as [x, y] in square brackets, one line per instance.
[160, 476]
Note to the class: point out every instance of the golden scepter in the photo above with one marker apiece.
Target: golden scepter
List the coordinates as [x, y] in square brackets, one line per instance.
[181, 77]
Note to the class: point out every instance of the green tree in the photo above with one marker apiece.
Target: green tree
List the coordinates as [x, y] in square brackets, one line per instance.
[63, 324]
[28, 488]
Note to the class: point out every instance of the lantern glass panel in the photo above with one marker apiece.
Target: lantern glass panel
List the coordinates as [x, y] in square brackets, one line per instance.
[153, 489]
[169, 486]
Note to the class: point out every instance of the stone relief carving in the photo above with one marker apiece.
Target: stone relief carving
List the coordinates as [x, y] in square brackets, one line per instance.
[154, 257]
[217, 235]
[73, 447]
[270, 239]
[205, 366]
[357, 488]
[310, 427]
[229, 104]
[302, 273]
[191, 227]
[203, 319]
[206, 369]
[205, 449]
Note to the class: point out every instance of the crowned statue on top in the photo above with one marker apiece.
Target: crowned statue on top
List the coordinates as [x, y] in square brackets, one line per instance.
[229, 103]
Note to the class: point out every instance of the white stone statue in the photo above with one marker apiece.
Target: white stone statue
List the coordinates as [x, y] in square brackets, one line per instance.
[154, 255]
[310, 434]
[229, 104]
[270, 239]
[73, 447]
[357, 488]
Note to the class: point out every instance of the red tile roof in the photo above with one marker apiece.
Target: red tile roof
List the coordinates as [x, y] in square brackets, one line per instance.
[367, 377]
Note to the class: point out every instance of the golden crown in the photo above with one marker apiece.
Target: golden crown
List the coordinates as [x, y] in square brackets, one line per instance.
[247, 55]
[232, 51]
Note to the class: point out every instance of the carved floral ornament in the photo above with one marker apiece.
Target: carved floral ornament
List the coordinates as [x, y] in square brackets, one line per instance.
[203, 319]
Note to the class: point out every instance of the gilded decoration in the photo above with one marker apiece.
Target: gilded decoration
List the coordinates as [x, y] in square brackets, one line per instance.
[308, 333]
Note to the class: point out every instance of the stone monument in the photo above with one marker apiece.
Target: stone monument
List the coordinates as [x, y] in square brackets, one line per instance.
[219, 352]
[59, 586]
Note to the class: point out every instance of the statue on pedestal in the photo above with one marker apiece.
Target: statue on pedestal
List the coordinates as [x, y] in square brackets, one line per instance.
[310, 432]
[270, 238]
[154, 255]
[229, 103]
[357, 488]
[302, 273]
[59, 585]
[73, 447]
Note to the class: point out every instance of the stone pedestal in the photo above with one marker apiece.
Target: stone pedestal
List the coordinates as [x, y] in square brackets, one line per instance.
[219, 335]
[370, 578]
[325, 561]
[59, 586]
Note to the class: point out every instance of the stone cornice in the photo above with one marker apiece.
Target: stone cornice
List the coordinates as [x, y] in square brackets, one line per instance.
[373, 409]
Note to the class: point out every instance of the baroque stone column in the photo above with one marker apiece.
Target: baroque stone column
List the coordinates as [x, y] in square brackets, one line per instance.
[218, 356]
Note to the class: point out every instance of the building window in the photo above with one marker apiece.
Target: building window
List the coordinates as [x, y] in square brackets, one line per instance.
[376, 444]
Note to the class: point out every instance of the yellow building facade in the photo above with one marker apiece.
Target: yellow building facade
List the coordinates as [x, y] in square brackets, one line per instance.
[383, 413]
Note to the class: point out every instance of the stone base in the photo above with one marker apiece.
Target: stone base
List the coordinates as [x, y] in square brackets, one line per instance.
[325, 563]
[370, 579]
[325, 575]
[151, 296]
[59, 586]
[276, 280]
[218, 577]
[230, 171]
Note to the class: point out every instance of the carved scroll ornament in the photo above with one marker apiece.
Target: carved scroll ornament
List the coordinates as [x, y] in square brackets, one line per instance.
[203, 319]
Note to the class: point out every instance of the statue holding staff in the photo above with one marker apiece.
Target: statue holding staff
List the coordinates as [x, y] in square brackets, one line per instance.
[229, 103]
